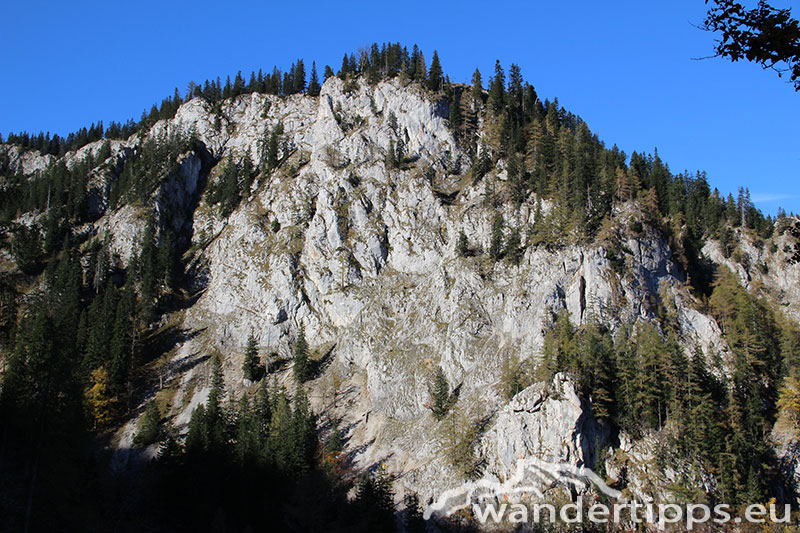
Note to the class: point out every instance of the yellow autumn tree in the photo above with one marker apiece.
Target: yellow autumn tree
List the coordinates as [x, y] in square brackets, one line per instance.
[99, 398]
[789, 400]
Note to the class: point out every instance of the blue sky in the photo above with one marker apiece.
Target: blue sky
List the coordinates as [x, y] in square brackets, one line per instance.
[629, 69]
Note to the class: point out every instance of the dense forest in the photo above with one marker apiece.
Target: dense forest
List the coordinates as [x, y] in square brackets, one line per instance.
[78, 330]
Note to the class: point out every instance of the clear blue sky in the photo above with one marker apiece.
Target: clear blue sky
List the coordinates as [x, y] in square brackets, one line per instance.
[625, 67]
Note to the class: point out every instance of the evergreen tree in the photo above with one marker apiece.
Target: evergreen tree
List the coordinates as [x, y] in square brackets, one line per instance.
[374, 502]
[313, 82]
[477, 87]
[515, 89]
[513, 249]
[497, 88]
[150, 429]
[335, 443]
[197, 439]
[27, 248]
[250, 366]
[217, 392]
[280, 441]
[420, 70]
[304, 432]
[302, 364]
[462, 245]
[496, 242]
[440, 394]
[263, 409]
[299, 78]
[413, 520]
[456, 118]
[435, 73]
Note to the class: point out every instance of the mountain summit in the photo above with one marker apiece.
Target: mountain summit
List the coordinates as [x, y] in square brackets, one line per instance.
[389, 274]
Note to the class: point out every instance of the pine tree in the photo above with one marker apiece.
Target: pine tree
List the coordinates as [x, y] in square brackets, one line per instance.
[150, 429]
[462, 245]
[217, 392]
[440, 394]
[435, 73]
[335, 443]
[497, 88]
[374, 502]
[247, 173]
[250, 366]
[477, 87]
[515, 88]
[304, 432]
[248, 437]
[27, 248]
[513, 248]
[197, 440]
[496, 242]
[302, 364]
[413, 520]
[263, 409]
[280, 443]
[313, 82]
[420, 71]
[299, 78]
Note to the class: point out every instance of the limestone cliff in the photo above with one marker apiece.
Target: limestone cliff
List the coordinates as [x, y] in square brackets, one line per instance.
[364, 256]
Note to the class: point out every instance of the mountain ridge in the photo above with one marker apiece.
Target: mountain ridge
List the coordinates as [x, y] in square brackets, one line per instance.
[353, 233]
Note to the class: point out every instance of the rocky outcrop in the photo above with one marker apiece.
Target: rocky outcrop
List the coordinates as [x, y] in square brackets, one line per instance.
[360, 249]
[548, 421]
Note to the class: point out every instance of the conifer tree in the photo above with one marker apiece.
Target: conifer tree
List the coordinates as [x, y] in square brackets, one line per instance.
[456, 118]
[302, 364]
[477, 87]
[263, 408]
[299, 77]
[496, 242]
[513, 248]
[304, 432]
[197, 439]
[250, 365]
[435, 73]
[413, 520]
[375, 502]
[497, 88]
[440, 394]
[150, 430]
[462, 245]
[280, 442]
[313, 82]
[420, 70]
[217, 392]
[27, 248]
[335, 440]
[100, 398]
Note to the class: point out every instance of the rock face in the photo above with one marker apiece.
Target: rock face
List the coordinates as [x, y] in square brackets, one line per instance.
[363, 254]
[548, 421]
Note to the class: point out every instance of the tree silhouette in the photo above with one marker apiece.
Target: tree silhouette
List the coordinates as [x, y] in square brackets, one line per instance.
[764, 35]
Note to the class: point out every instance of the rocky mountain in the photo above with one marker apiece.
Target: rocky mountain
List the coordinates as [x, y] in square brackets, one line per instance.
[354, 235]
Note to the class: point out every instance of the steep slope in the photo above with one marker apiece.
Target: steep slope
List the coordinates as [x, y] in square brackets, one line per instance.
[365, 258]
[353, 235]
